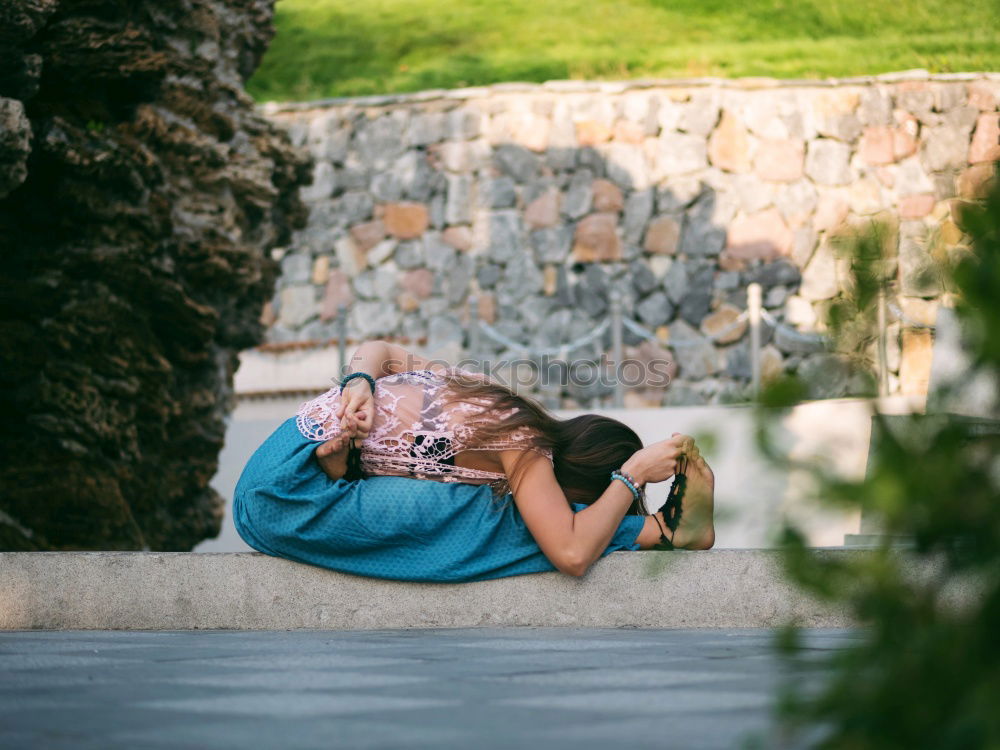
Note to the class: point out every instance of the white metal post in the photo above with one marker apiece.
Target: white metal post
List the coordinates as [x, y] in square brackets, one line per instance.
[754, 310]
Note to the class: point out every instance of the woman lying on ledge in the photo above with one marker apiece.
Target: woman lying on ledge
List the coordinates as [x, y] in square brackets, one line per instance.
[398, 420]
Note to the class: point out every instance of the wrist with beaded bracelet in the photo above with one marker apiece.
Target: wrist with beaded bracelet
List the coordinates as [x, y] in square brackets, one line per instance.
[637, 488]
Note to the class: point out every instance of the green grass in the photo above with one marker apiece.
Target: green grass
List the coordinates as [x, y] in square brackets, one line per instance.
[338, 48]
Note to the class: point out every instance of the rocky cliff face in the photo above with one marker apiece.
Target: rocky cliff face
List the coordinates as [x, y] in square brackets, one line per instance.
[140, 195]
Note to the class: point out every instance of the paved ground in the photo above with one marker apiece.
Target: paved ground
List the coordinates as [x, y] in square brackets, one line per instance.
[463, 688]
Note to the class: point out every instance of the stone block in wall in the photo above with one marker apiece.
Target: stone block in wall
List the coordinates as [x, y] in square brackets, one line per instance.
[607, 197]
[298, 305]
[406, 220]
[910, 178]
[663, 235]
[409, 254]
[827, 162]
[376, 284]
[386, 187]
[336, 293]
[703, 232]
[831, 211]
[553, 244]
[761, 236]
[458, 200]
[349, 256]
[374, 319]
[696, 356]
[844, 127]
[960, 118]
[627, 164]
[944, 148]
[877, 145]
[459, 237]
[458, 279]
[368, 234]
[579, 197]
[438, 254]
[655, 310]
[677, 154]
[426, 128]
[904, 134]
[729, 144]
[748, 192]
[796, 202]
[355, 206]
[865, 196]
[799, 312]
[825, 375]
[295, 268]
[419, 282]
[320, 270]
[918, 273]
[973, 183]
[501, 233]
[915, 361]
[700, 114]
[676, 281]
[596, 239]
[591, 132]
[324, 182]
[697, 300]
[517, 162]
[544, 210]
[380, 141]
[679, 193]
[918, 311]
[916, 206]
[638, 211]
[984, 95]
[804, 245]
[463, 123]
[875, 106]
[723, 325]
[820, 277]
[779, 160]
[985, 146]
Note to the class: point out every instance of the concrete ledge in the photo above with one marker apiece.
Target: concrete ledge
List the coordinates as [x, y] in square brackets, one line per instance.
[251, 591]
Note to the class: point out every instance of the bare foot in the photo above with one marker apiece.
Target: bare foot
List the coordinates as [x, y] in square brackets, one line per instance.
[332, 456]
[697, 528]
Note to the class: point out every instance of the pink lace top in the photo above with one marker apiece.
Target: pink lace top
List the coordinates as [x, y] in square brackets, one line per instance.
[414, 433]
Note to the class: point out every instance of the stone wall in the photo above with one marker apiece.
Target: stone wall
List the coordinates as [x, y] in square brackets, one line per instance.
[538, 199]
[140, 195]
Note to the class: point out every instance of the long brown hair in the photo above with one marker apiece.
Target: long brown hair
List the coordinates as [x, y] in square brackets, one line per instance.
[585, 449]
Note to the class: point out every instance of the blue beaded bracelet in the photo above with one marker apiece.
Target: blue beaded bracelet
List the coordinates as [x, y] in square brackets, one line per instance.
[353, 375]
[632, 487]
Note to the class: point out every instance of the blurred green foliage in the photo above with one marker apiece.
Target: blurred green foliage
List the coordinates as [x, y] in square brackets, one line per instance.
[329, 48]
[926, 671]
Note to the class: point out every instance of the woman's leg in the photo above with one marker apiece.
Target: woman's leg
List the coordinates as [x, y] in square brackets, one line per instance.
[388, 527]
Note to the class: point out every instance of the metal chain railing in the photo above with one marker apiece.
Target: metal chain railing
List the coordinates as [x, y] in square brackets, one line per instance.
[562, 350]
[754, 316]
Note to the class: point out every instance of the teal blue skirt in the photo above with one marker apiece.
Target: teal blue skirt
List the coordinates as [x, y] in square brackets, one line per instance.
[385, 527]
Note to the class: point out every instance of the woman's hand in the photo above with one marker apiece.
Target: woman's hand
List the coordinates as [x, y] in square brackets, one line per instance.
[658, 462]
[357, 408]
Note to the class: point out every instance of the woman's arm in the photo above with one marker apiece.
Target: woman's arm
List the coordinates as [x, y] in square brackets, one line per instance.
[378, 359]
[381, 358]
[573, 541]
